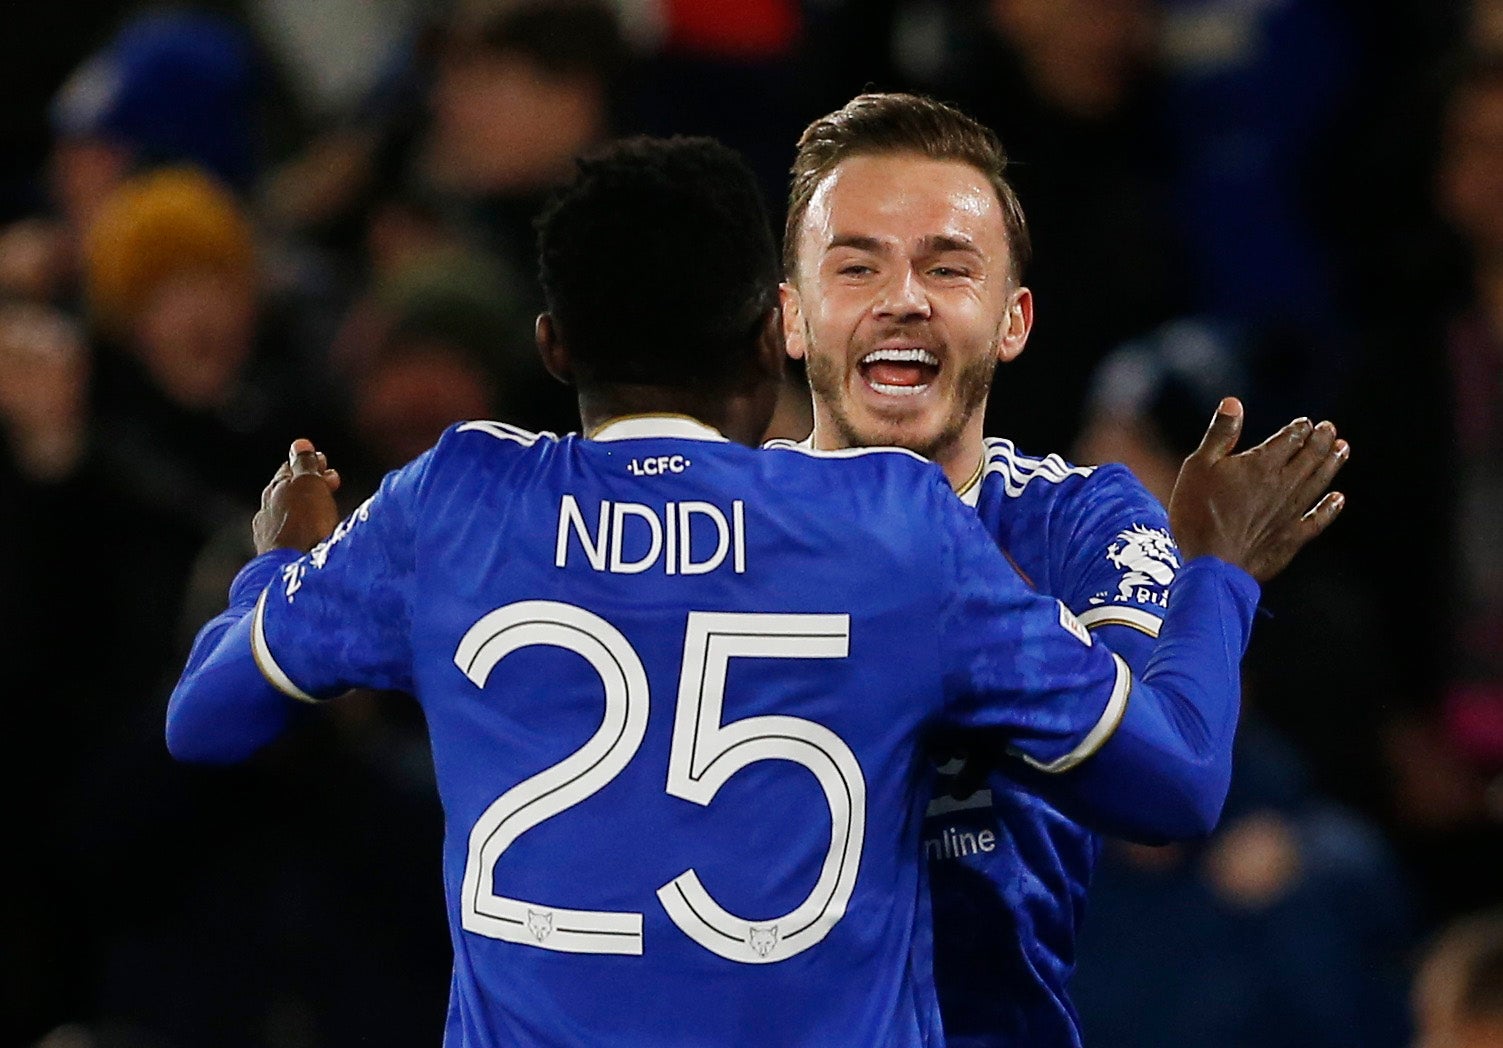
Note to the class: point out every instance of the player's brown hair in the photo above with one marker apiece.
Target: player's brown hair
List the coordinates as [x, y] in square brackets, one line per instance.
[877, 124]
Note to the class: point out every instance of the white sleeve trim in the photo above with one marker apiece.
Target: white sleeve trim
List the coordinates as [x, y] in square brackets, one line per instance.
[1096, 738]
[274, 674]
[1114, 615]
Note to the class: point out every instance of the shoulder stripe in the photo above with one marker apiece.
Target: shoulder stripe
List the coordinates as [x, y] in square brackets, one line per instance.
[1114, 615]
[503, 431]
[1018, 471]
[274, 674]
[839, 453]
[1116, 706]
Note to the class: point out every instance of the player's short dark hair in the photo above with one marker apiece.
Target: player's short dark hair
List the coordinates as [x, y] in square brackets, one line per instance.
[880, 124]
[658, 263]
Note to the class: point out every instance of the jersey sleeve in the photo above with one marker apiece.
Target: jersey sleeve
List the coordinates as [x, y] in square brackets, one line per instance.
[1119, 560]
[1018, 663]
[303, 627]
[340, 617]
[1154, 749]
[1164, 773]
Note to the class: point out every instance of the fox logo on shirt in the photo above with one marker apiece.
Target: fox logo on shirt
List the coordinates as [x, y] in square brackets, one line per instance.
[540, 924]
[762, 940]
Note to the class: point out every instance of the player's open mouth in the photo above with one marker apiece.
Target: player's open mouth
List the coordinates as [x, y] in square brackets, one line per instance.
[899, 372]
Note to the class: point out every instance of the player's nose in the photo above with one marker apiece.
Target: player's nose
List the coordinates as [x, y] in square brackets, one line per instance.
[902, 297]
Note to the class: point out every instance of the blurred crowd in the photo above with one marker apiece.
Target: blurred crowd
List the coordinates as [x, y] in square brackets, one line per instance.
[229, 224]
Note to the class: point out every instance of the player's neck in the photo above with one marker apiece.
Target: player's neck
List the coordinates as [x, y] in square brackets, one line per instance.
[961, 460]
[962, 463]
[724, 412]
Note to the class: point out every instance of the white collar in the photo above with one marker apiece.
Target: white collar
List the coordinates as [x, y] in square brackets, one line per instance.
[969, 493]
[638, 427]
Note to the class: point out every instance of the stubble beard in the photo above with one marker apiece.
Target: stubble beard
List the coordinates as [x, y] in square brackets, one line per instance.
[971, 386]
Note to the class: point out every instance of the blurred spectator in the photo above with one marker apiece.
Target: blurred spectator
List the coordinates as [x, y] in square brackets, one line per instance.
[1288, 927]
[1146, 398]
[1458, 993]
[523, 87]
[420, 381]
[1294, 910]
[169, 88]
[1311, 668]
[44, 382]
[171, 275]
[448, 311]
[47, 578]
[1433, 401]
[1471, 194]
[196, 386]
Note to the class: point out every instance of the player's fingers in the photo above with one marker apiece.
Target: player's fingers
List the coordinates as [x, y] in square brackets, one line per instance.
[302, 458]
[1312, 486]
[1311, 455]
[1287, 441]
[1320, 517]
[333, 479]
[1226, 427]
[1275, 554]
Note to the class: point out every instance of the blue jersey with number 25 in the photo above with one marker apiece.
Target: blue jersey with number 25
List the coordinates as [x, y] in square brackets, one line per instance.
[677, 691]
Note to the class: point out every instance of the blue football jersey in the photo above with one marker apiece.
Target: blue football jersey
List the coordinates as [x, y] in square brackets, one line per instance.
[1009, 865]
[677, 692]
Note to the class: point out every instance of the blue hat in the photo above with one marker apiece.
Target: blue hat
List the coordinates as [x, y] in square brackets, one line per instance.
[172, 88]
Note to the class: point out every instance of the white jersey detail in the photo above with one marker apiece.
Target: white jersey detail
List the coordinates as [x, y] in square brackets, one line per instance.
[504, 431]
[1018, 471]
[274, 673]
[836, 453]
[1117, 615]
[554, 790]
[708, 750]
[637, 427]
[1116, 705]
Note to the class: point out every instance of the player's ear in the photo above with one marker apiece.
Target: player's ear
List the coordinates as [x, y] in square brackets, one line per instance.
[552, 349]
[1015, 326]
[793, 321]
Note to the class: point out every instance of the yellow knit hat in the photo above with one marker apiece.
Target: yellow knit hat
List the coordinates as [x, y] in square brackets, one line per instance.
[154, 227]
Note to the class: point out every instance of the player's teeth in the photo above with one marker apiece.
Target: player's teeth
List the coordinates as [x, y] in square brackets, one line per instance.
[898, 391]
[901, 356]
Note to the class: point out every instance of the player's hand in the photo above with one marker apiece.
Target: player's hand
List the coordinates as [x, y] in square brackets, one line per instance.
[297, 507]
[1258, 508]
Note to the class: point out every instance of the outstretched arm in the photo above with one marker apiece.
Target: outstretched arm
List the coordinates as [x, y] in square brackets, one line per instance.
[224, 708]
[1252, 512]
[1156, 762]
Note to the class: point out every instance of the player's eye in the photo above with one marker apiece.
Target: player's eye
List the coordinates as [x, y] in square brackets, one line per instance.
[947, 272]
[854, 269]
